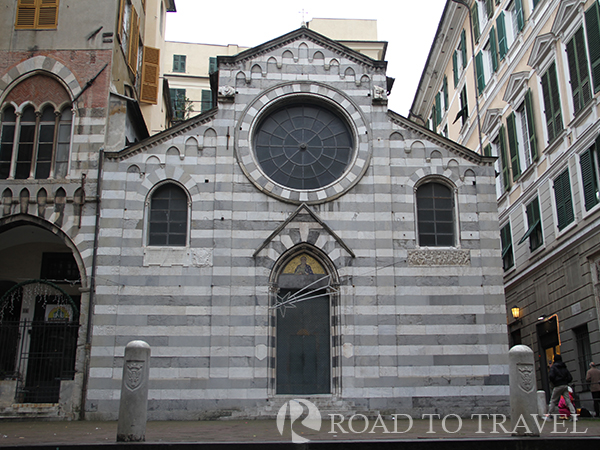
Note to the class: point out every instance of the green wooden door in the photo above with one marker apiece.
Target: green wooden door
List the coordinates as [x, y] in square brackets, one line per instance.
[303, 347]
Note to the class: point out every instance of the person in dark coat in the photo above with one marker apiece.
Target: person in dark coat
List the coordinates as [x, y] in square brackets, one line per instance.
[560, 377]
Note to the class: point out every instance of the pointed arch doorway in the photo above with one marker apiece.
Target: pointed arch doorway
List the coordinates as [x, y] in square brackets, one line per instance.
[303, 322]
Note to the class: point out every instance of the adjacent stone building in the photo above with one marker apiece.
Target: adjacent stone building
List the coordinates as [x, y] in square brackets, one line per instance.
[300, 240]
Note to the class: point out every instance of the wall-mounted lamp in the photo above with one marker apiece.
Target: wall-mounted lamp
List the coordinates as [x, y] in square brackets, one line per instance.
[542, 317]
[516, 312]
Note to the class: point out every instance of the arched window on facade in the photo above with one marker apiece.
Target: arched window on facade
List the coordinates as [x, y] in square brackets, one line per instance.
[35, 144]
[435, 215]
[167, 223]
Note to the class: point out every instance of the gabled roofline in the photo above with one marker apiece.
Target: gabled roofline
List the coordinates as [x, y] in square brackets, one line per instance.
[454, 147]
[159, 138]
[309, 34]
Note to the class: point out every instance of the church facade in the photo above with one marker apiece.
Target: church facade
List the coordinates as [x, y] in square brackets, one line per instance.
[300, 240]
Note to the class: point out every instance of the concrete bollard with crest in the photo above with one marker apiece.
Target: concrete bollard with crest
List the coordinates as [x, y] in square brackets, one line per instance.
[133, 408]
[523, 390]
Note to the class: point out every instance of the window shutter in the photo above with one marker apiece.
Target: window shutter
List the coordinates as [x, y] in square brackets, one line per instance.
[463, 48]
[494, 49]
[48, 14]
[475, 17]
[504, 160]
[555, 98]
[26, 12]
[487, 150]
[212, 64]
[455, 67]
[551, 102]
[520, 14]
[150, 75]
[573, 74]
[438, 109]
[513, 144]
[206, 100]
[564, 204]
[489, 8]
[502, 43]
[445, 90]
[134, 41]
[531, 125]
[580, 83]
[120, 18]
[582, 63]
[588, 175]
[592, 26]
[480, 73]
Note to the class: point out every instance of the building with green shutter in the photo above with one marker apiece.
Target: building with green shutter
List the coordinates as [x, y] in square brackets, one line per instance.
[519, 80]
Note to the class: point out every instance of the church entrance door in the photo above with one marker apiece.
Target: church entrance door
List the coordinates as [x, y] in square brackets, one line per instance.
[303, 356]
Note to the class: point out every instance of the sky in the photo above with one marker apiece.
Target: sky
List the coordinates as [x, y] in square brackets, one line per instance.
[408, 26]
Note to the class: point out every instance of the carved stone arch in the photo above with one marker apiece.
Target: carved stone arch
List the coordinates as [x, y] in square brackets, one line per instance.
[42, 200]
[41, 65]
[240, 79]
[318, 57]
[288, 57]
[7, 198]
[24, 201]
[27, 104]
[256, 71]
[173, 156]
[25, 219]
[349, 74]
[454, 168]
[60, 201]
[434, 178]
[303, 51]
[364, 79]
[469, 176]
[78, 202]
[305, 309]
[49, 103]
[151, 164]
[191, 146]
[272, 65]
[210, 139]
[436, 155]
[134, 168]
[418, 149]
[334, 66]
[160, 183]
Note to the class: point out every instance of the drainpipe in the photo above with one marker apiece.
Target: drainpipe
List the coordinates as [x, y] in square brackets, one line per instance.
[88, 335]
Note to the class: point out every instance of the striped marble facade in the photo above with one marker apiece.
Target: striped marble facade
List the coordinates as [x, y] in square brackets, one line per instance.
[413, 330]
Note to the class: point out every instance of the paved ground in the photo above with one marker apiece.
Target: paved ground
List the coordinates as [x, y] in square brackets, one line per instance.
[25, 433]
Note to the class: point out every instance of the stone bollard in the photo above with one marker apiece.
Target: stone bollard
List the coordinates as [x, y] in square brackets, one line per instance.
[133, 408]
[542, 403]
[523, 396]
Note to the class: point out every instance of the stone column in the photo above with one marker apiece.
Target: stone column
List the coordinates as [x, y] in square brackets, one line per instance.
[133, 408]
[523, 395]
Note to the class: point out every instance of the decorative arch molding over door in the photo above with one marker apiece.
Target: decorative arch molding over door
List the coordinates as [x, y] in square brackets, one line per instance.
[304, 303]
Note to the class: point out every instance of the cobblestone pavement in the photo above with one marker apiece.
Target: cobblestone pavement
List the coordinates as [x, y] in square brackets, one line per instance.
[22, 433]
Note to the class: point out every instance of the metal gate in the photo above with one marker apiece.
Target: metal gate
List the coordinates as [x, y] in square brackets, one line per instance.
[38, 339]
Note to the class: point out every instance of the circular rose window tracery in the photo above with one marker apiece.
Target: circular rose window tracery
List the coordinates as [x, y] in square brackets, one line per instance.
[303, 146]
[303, 142]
